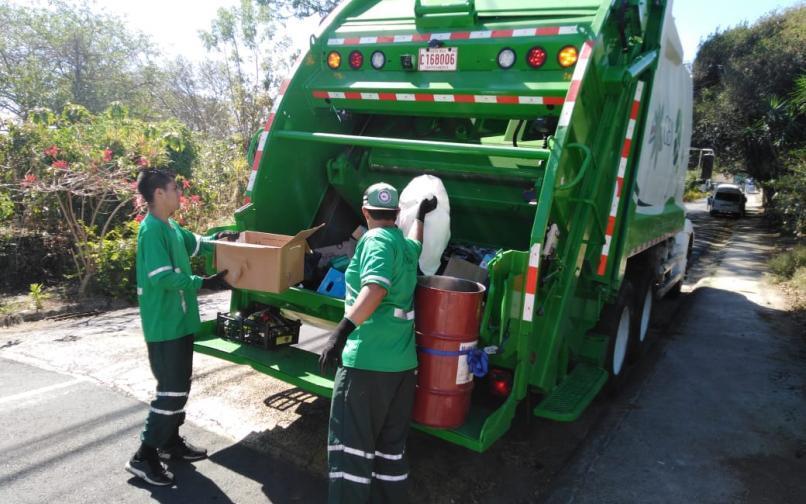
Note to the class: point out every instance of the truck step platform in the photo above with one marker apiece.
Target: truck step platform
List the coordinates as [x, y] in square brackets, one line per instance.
[290, 364]
[574, 394]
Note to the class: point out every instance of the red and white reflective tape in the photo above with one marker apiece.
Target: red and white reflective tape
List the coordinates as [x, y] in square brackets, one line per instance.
[576, 83]
[261, 143]
[471, 35]
[441, 98]
[622, 168]
[531, 282]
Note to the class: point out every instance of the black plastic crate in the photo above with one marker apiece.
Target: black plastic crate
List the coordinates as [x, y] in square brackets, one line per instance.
[265, 328]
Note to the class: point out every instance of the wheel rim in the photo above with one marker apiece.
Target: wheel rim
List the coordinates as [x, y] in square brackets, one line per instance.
[622, 338]
[646, 313]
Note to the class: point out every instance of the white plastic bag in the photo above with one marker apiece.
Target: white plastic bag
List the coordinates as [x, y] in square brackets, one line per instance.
[437, 232]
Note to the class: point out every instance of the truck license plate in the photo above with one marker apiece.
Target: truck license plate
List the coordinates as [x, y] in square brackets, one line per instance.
[438, 59]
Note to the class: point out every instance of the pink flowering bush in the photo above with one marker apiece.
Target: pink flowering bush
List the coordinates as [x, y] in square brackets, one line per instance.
[76, 175]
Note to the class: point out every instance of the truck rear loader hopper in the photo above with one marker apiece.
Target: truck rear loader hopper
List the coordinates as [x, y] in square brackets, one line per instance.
[560, 131]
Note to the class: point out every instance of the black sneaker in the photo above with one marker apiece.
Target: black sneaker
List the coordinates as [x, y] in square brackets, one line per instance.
[150, 470]
[182, 450]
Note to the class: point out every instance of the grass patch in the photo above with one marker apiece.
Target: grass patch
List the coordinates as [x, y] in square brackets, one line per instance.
[693, 195]
[789, 270]
[788, 264]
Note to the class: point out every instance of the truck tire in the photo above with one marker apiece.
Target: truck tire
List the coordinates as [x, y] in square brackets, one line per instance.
[644, 302]
[616, 323]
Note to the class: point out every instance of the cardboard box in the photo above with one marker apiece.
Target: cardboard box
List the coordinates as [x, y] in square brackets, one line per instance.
[263, 261]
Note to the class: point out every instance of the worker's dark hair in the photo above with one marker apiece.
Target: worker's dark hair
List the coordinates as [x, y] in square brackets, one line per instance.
[382, 215]
[151, 179]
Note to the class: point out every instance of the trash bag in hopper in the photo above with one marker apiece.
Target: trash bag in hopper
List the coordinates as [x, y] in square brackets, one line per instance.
[437, 232]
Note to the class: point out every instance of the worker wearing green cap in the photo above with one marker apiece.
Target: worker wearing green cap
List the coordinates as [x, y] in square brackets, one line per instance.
[373, 393]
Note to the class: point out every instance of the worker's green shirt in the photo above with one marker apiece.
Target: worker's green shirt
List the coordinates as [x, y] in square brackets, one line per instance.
[166, 289]
[385, 341]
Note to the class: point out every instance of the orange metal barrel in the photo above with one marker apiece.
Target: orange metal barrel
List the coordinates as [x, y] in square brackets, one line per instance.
[447, 317]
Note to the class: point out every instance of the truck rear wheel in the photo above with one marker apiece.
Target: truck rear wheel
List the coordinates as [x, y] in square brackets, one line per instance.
[642, 313]
[617, 324]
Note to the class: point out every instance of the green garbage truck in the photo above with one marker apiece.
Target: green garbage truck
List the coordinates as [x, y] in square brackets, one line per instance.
[560, 130]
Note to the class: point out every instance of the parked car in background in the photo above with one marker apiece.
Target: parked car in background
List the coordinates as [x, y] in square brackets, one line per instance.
[728, 199]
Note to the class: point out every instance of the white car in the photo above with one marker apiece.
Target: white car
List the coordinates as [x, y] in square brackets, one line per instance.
[728, 199]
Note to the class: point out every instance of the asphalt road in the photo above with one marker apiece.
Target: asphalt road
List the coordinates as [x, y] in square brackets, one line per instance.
[714, 412]
[65, 439]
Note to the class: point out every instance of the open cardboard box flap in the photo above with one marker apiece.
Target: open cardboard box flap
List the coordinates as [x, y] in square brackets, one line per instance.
[264, 262]
[305, 234]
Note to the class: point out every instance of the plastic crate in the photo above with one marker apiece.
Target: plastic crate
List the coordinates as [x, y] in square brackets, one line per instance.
[265, 328]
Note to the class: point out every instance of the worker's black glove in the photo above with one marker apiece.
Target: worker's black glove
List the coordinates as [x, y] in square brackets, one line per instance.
[427, 205]
[227, 235]
[331, 355]
[216, 282]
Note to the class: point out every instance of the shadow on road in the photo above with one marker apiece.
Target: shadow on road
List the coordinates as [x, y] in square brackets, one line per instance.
[288, 462]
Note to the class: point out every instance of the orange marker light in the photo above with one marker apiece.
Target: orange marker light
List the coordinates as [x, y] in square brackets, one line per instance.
[334, 60]
[568, 56]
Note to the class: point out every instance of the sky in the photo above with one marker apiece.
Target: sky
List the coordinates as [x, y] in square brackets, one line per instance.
[174, 24]
[177, 23]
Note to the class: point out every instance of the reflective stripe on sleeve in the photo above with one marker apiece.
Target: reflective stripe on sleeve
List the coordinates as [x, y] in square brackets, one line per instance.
[172, 394]
[139, 291]
[166, 412]
[198, 245]
[159, 270]
[349, 477]
[379, 278]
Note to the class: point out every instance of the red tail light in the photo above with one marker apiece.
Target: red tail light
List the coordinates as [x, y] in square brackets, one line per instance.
[356, 60]
[536, 57]
[500, 382]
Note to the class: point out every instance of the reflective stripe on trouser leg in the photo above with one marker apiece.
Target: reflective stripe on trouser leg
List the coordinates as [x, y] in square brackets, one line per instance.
[350, 448]
[172, 365]
[390, 476]
[369, 414]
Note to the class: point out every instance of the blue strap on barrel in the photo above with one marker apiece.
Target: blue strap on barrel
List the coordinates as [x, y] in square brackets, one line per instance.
[477, 359]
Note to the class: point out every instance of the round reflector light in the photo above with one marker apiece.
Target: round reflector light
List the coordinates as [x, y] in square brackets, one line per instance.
[567, 56]
[356, 60]
[536, 57]
[378, 60]
[334, 60]
[506, 58]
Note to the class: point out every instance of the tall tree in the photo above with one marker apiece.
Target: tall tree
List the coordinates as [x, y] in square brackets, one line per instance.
[252, 56]
[69, 53]
[743, 79]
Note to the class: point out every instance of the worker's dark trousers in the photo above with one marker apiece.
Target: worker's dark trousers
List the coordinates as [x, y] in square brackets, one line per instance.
[172, 364]
[369, 424]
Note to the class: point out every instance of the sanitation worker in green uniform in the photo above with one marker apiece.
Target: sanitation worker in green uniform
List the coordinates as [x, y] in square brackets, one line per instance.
[373, 393]
[169, 312]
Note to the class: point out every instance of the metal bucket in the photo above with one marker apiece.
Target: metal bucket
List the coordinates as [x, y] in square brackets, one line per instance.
[447, 317]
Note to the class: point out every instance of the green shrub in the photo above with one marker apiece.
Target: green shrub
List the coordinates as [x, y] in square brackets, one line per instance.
[115, 258]
[38, 295]
[788, 205]
[6, 207]
[786, 264]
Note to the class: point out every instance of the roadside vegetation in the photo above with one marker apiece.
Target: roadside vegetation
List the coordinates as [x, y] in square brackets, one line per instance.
[692, 191]
[86, 102]
[750, 107]
[789, 269]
